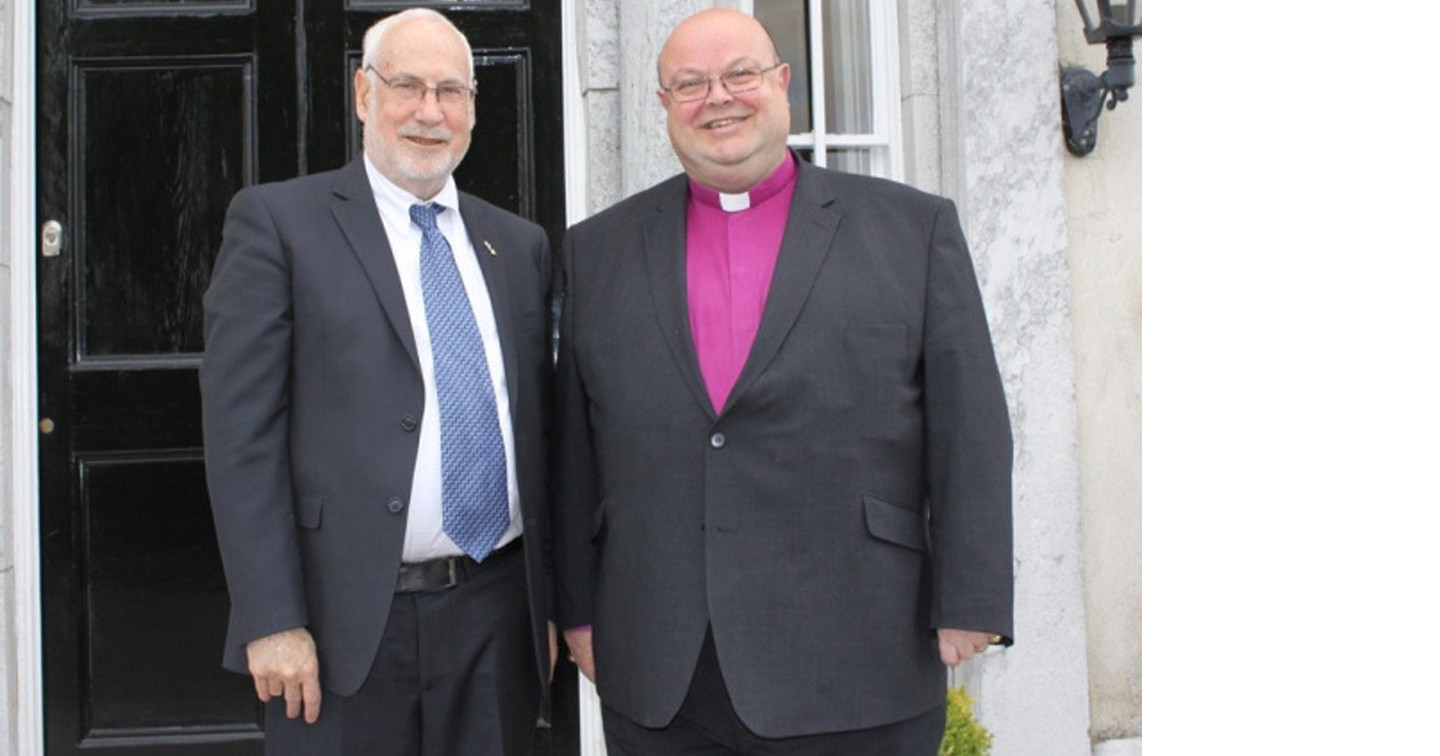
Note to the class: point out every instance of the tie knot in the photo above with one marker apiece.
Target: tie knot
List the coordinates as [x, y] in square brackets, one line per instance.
[424, 215]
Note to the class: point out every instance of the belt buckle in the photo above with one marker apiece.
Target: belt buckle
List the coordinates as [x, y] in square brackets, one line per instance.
[452, 577]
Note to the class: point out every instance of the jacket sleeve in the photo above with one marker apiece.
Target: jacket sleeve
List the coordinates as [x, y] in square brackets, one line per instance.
[576, 481]
[968, 445]
[245, 390]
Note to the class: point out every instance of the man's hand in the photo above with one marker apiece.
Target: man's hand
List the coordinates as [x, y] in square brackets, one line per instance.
[960, 645]
[284, 664]
[581, 651]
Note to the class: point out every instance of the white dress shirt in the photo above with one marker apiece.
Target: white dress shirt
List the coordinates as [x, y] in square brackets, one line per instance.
[424, 534]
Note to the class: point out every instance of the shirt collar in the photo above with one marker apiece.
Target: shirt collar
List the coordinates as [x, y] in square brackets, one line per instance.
[767, 188]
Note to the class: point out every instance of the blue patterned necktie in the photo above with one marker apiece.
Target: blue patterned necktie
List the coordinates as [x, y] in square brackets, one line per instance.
[475, 503]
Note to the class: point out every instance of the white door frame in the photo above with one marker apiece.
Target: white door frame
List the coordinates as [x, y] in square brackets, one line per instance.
[21, 378]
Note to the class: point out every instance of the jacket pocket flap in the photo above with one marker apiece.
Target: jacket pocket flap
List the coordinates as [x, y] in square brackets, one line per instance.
[897, 525]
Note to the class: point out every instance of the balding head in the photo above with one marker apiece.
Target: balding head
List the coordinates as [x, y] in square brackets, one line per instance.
[701, 22]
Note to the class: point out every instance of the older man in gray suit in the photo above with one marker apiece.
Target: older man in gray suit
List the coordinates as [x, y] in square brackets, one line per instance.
[375, 387]
[783, 501]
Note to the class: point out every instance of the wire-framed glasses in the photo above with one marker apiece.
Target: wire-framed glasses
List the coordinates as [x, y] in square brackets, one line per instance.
[410, 88]
[735, 81]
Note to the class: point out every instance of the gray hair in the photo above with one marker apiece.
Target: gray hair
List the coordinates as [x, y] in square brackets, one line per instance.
[375, 35]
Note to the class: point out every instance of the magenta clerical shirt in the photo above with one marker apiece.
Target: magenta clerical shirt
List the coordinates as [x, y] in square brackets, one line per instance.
[731, 244]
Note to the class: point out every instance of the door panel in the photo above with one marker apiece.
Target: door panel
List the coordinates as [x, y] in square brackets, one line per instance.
[145, 233]
[152, 113]
[135, 689]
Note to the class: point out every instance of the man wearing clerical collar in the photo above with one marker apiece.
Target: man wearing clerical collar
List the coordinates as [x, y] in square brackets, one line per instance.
[783, 454]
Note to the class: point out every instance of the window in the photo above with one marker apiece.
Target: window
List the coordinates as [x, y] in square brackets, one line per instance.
[844, 102]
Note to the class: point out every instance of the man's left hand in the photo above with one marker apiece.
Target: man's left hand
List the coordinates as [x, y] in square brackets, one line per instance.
[960, 645]
[580, 640]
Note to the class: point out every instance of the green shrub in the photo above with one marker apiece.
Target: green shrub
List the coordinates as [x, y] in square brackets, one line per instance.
[963, 735]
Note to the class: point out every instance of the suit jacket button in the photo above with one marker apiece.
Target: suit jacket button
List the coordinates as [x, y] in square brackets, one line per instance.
[717, 441]
[408, 423]
[395, 506]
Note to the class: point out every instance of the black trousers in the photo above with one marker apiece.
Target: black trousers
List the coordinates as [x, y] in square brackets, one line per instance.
[707, 724]
[454, 675]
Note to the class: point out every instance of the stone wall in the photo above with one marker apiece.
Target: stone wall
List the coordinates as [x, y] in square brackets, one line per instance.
[1102, 200]
[1003, 161]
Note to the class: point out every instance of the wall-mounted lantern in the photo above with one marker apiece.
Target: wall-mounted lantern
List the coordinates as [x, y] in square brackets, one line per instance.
[1083, 94]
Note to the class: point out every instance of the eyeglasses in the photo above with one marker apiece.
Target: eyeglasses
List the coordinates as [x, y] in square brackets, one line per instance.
[735, 81]
[408, 88]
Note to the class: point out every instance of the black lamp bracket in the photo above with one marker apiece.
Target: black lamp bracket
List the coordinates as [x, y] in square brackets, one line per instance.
[1083, 95]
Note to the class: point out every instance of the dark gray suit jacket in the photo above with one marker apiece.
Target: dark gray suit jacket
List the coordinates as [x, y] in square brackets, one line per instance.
[313, 399]
[852, 495]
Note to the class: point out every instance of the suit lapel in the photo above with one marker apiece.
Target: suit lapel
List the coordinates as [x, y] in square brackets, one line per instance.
[493, 269]
[359, 220]
[663, 231]
[809, 233]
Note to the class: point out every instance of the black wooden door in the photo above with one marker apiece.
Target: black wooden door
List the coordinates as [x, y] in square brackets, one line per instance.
[152, 113]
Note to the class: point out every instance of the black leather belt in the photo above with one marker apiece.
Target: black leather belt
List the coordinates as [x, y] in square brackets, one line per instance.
[447, 572]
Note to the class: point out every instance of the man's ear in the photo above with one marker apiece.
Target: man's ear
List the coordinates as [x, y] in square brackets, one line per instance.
[362, 93]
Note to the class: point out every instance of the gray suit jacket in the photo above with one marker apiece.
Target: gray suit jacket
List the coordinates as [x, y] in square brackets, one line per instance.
[313, 399]
[852, 495]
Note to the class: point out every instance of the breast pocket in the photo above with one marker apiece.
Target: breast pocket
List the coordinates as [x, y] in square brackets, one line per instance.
[876, 357]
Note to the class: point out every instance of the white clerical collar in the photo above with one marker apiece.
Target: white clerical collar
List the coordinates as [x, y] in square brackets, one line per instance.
[758, 194]
[734, 203]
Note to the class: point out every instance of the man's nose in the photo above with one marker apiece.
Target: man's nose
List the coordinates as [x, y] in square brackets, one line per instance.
[430, 108]
[718, 94]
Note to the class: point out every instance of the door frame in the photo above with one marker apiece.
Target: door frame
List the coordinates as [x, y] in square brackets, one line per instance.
[22, 373]
[22, 378]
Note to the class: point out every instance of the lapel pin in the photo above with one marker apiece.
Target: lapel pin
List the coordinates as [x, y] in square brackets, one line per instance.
[491, 249]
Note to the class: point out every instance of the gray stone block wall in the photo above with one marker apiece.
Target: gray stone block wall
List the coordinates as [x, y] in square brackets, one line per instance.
[600, 89]
[645, 153]
[920, 94]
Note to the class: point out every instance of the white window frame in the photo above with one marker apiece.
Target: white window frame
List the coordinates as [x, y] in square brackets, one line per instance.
[886, 143]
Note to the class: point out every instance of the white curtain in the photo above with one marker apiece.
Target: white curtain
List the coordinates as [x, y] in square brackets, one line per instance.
[848, 94]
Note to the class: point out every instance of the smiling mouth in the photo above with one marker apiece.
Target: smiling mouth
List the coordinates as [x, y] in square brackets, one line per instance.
[426, 141]
[723, 122]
